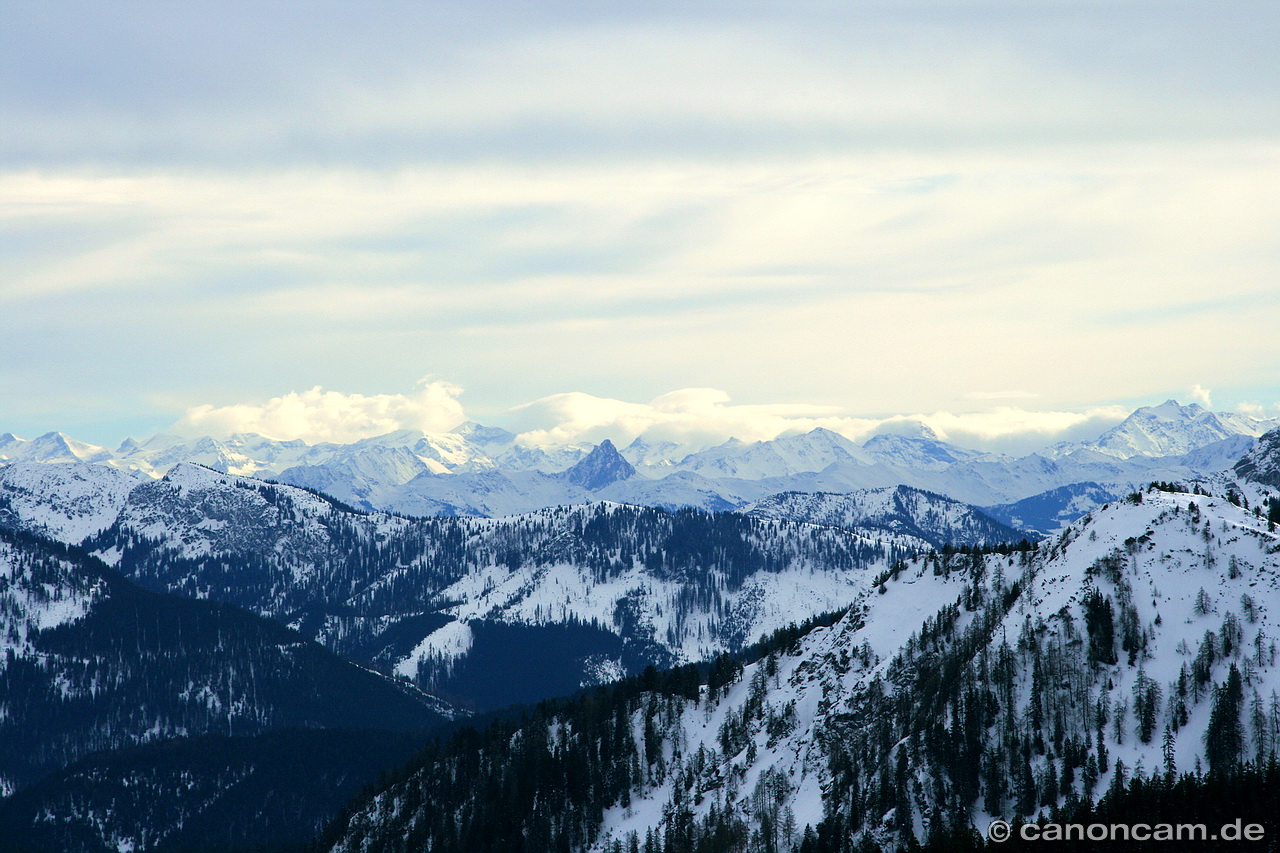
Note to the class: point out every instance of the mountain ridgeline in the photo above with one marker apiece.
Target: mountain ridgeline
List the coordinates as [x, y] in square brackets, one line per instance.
[641, 585]
[484, 471]
[182, 654]
[919, 519]
[93, 662]
[1136, 647]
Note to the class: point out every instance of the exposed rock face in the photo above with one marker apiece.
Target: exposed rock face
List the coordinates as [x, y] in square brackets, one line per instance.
[1262, 463]
[600, 467]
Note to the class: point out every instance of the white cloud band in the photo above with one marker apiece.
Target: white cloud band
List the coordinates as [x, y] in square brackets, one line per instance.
[318, 415]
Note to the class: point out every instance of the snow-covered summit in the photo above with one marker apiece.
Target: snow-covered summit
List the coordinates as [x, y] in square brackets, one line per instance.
[1169, 429]
[50, 447]
[924, 520]
[65, 501]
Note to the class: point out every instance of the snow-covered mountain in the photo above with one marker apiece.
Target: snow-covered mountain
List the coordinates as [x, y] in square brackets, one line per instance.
[781, 457]
[65, 501]
[623, 586]
[602, 467]
[1170, 429]
[51, 447]
[361, 476]
[485, 471]
[1262, 463]
[1140, 641]
[89, 661]
[924, 520]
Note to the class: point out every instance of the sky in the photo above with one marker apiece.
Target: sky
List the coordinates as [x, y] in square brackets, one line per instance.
[1018, 219]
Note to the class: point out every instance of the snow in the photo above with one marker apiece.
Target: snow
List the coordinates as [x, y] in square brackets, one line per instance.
[1165, 558]
[445, 644]
[477, 470]
[563, 592]
[28, 606]
[66, 501]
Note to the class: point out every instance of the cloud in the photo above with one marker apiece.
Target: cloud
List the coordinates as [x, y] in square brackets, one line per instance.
[1017, 431]
[881, 204]
[318, 415]
[1252, 410]
[697, 417]
[1201, 395]
[702, 417]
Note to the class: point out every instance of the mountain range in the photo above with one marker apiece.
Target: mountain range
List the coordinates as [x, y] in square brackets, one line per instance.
[195, 654]
[93, 662]
[1136, 645]
[486, 471]
[634, 585]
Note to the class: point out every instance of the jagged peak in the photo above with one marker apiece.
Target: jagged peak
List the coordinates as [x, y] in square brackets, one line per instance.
[602, 466]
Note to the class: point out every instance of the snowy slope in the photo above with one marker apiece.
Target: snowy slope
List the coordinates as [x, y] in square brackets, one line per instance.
[1154, 561]
[958, 689]
[66, 501]
[927, 520]
[1169, 429]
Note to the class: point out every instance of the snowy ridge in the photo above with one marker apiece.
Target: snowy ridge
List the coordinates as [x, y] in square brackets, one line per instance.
[478, 470]
[66, 501]
[1199, 576]
[1170, 429]
[962, 687]
[195, 512]
[921, 520]
[1261, 465]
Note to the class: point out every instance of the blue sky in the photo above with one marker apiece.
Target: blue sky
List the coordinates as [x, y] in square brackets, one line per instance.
[984, 209]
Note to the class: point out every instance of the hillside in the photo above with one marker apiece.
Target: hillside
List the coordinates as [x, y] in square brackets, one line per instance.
[92, 662]
[924, 520]
[632, 585]
[1138, 642]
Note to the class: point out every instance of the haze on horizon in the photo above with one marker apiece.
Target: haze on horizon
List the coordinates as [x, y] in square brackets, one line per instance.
[1029, 217]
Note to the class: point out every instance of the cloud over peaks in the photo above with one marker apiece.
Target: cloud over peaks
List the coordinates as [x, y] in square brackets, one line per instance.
[701, 417]
[318, 415]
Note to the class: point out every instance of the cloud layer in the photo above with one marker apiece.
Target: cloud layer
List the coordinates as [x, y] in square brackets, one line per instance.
[694, 418]
[879, 207]
[318, 415]
[700, 417]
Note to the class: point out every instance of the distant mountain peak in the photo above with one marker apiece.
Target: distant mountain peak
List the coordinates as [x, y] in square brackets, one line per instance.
[1168, 429]
[602, 466]
[483, 435]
